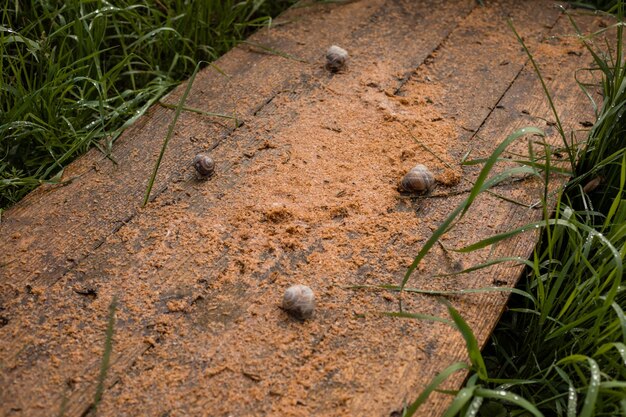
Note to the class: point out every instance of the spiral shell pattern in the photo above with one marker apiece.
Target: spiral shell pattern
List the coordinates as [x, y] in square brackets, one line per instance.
[204, 165]
[336, 58]
[299, 301]
[418, 180]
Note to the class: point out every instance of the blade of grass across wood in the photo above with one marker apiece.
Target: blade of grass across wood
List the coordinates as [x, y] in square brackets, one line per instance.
[106, 356]
[542, 167]
[449, 292]
[489, 263]
[473, 349]
[405, 315]
[202, 112]
[474, 291]
[510, 200]
[464, 205]
[63, 407]
[493, 158]
[570, 152]
[502, 236]
[170, 132]
[434, 383]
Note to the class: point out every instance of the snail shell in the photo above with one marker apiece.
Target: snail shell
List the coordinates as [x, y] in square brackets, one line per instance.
[299, 301]
[204, 165]
[336, 58]
[419, 179]
[593, 184]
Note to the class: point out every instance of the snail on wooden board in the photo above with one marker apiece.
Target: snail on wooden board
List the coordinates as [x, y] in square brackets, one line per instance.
[336, 58]
[299, 301]
[204, 165]
[418, 180]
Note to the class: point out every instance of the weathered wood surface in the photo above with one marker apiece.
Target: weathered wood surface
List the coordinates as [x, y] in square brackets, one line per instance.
[305, 192]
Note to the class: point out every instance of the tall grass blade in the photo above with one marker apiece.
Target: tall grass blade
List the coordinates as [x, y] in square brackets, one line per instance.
[473, 349]
[593, 382]
[567, 146]
[482, 184]
[170, 132]
[436, 381]
[106, 356]
[462, 399]
[510, 397]
[406, 315]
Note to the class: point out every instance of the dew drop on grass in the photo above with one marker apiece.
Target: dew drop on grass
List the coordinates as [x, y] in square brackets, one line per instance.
[571, 397]
[501, 393]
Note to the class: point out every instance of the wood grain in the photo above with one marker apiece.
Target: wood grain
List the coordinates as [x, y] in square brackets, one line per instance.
[106, 195]
[304, 192]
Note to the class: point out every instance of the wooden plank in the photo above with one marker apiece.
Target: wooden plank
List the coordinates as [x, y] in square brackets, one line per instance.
[199, 272]
[20, 342]
[104, 196]
[524, 104]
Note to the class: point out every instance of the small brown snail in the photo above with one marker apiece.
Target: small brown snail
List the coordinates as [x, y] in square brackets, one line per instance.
[336, 58]
[418, 180]
[299, 301]
[593, 184]
[204, 165]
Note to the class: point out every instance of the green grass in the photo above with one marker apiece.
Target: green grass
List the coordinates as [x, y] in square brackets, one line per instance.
[560, 350]
[106, 357]
[75, 74]
[607, 5]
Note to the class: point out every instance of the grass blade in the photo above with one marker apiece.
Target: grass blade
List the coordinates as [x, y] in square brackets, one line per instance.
[436, 381]
[510, 397]
[170, 132]
[593, 385]
[448, 292]
[463, 397]
[473, 348]
[405, 315]
[463, 207]
[106, 356]
[559, 125]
